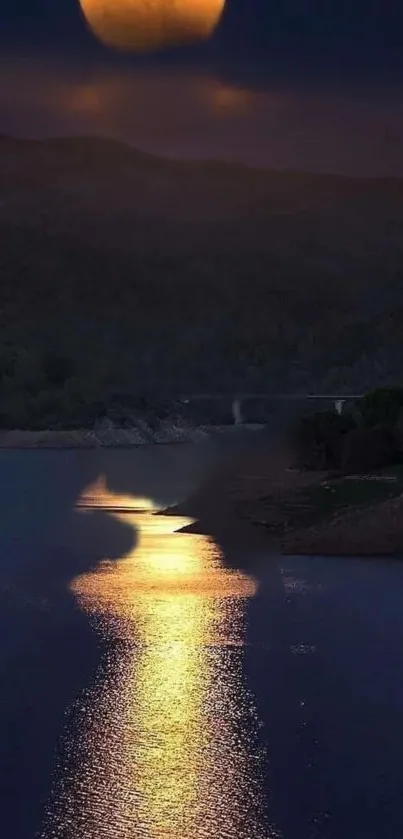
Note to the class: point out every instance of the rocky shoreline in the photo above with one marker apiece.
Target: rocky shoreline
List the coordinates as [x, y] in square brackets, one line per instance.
[255, 490]
[104, 434]
[262, 494]
[374, 532]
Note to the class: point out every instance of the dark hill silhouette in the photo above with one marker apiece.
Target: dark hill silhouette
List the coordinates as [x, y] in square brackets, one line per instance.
[118, 260]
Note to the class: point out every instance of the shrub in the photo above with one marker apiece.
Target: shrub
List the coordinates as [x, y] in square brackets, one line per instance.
[57, 369]
[381, 407]
[16, 410]
[7, 362]
[318, 439]
[398, 432]
[366, 449]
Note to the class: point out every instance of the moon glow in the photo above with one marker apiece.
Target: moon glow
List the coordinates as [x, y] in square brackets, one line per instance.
[149, 25]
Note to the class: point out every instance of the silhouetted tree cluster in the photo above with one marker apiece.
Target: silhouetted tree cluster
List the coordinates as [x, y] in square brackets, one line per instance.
[368, 436]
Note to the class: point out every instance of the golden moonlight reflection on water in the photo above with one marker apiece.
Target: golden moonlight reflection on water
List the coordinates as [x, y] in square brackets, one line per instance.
[147, 25]
[164, 745]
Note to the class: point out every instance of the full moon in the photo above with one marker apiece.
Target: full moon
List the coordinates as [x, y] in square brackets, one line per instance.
[149, 25]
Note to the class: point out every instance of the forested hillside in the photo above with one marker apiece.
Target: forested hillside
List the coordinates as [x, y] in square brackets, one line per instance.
[124, 275]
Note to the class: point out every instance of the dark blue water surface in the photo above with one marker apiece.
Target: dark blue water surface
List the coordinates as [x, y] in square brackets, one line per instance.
[264, 693]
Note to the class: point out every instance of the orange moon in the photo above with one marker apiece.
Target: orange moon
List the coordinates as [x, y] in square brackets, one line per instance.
[148, 25]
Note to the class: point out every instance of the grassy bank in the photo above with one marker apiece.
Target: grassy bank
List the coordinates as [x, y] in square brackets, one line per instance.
[353, 515]
[321, 502]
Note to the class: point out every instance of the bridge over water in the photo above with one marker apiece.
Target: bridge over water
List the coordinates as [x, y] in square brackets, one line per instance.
[262, 407]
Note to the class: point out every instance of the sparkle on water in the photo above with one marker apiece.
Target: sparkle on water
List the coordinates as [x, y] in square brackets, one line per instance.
[165, 746]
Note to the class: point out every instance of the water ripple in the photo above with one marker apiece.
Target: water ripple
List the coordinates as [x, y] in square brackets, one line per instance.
[165, 743]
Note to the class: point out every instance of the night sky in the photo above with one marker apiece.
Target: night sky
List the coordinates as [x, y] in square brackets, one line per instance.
[308, 84]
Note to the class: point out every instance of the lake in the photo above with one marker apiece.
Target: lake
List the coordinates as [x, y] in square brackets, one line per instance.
[161, 684]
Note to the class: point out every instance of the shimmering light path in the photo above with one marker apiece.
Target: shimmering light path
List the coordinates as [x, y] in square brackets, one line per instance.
[160, 694]
[165, 744]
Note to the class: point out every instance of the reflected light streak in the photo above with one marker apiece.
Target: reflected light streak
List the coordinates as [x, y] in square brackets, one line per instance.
[164, 746]
[97, 497]
[144, 26]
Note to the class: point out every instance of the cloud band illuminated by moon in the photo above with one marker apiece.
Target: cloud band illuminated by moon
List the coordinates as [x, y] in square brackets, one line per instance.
[149, 25]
